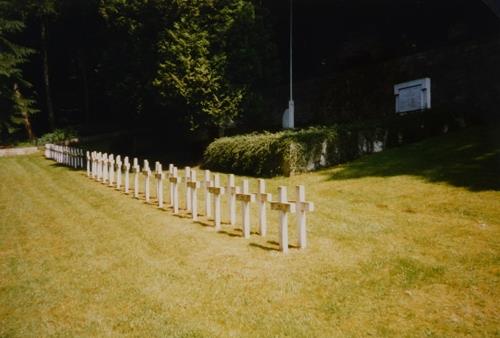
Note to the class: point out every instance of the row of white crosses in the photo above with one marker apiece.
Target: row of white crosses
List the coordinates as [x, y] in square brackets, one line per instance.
[65, 155]
[110, 170]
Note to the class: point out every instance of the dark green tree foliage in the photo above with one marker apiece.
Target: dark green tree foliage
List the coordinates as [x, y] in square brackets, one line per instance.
[212, 57]
[43, 11]
[129, 60]
[208, 58]
[15, 108]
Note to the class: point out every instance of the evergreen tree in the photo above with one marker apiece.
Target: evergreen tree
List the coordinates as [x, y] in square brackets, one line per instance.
[15, 108]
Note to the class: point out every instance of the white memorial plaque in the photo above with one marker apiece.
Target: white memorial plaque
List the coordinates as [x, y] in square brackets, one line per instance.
[413, 96]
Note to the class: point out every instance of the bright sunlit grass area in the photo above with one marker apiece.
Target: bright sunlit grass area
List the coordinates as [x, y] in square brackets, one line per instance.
[403, 243]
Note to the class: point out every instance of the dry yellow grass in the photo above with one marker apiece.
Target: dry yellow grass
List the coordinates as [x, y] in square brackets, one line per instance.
[395, 250]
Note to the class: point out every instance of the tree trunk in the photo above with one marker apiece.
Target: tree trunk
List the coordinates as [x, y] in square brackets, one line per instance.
[24, 113]
[85, 85]
[45, 59]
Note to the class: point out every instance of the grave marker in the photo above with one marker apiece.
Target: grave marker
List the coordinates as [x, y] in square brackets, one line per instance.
[174, 181]
[111, 170]
[100, 162]
[118, 172]
[208, 197]
[245, 197]
[147, 174]
[302, 206]
[160, 176]
[187, 177]
[284, 207]
[232, 189]
[171, 185]
[127, 176]
[262, 198]
[216, 190]
[105, 168]
[88, 163]
[193, 186]
[136, 170]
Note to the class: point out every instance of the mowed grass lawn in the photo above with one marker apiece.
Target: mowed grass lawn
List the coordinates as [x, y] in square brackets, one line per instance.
[403, 243]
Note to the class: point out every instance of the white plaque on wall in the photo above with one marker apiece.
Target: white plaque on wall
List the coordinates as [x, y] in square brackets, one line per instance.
[413, 95]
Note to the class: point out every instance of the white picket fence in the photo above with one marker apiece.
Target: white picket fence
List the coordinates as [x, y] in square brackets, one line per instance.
[123, 175]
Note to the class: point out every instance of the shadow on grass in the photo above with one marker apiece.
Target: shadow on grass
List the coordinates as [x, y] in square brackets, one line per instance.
[469, 159]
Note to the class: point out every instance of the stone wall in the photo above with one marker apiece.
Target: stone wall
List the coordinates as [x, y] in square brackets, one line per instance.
[465, 82]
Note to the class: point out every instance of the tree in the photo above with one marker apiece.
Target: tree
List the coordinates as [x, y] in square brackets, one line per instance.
[43, 11]
[15, 108]
[194, 62]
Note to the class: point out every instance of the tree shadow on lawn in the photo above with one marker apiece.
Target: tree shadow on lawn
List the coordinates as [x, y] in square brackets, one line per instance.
[468, 158]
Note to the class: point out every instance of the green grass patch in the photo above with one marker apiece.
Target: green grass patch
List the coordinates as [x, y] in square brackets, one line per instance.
[393, 251]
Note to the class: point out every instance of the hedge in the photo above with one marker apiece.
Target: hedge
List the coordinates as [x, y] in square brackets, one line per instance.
[282, 153]
[288, 152]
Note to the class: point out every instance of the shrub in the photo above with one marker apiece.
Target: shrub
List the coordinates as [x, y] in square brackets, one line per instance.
[57, 136]
[288, 152]
[282, 153]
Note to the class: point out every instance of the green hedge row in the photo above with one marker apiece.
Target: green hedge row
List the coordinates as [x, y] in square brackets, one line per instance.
[288, 152]
[282, 153]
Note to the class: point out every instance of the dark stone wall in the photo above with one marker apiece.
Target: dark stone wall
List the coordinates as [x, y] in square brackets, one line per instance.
[465, 82]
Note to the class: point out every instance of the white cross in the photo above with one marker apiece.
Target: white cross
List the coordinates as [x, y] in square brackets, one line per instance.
[262, 198]
[232, 189]
[126, 165]
[88, 164]
[136, 170]
[302, 206]
[111, 171]
[187, 178]
[105, 168]
[216, 190]
[118, 172]
[245, 197]
[193, 186]
[208, 198]
[160, 176]
[174, 180]
[147, 174]
[284, 207]
[171, 186]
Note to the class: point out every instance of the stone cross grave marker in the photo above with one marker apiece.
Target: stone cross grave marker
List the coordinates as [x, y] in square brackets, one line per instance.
[216, 190]
[301, 207]
[174, 183]
[105, 162]
[147, 174]
[111, 170]
[118, 172]
[245, 197]
[160, 176]
[171, 185]
[208, 197]
[94, 166]
[137, 169]
[187, 178]
[88, 163]
[100, 163]
[126, 165]
[262, 198]
[232, 190]
[194, 185]
[284, 207]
